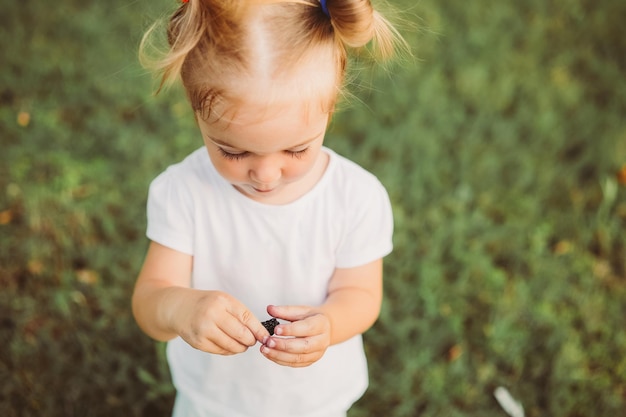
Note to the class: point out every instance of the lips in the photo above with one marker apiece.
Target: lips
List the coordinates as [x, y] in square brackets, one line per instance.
[263, 190]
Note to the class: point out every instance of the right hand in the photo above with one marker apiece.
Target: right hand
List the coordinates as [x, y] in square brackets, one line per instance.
[165, 306]
[216, 322]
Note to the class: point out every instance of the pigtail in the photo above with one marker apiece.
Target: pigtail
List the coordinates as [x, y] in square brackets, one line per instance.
[357, 23]
[198, 29]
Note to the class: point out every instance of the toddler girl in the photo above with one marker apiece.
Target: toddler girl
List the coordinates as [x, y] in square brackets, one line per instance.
[263, 220]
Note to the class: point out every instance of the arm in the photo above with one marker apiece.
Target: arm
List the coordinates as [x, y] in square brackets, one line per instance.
[165, 306]
[354, 300]
[351, 307]
[163, 280]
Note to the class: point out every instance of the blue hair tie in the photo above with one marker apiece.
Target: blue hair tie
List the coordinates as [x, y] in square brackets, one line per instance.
[324, 7]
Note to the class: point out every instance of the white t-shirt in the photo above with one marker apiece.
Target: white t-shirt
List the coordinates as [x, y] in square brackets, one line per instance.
[270, 254]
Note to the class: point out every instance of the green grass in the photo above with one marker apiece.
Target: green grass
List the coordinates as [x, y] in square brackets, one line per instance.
[499, 146]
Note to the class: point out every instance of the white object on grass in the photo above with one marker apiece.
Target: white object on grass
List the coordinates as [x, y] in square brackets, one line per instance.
[508, 403]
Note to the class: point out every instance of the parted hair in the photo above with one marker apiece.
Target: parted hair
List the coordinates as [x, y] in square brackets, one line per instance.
[209, 42]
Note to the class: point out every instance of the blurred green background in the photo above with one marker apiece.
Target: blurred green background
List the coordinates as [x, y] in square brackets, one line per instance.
[503, 147]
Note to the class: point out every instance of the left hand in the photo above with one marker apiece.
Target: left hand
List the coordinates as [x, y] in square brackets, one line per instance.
[301, 342]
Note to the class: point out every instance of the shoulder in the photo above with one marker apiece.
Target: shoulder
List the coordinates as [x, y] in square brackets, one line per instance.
[188, 177]
[193, 167]
[179, 187]
[173, 201]
[362, 208]
[351, 179]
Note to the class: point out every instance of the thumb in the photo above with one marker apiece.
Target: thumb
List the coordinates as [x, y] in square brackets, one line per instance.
[254, 325]
[289, 313]
[247, 319]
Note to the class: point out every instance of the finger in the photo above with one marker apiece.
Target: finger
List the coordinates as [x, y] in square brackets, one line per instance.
[300, 329]
[314, 325]
[210, 346]
[254, 330]
[238, 331]
[218, 342]
[231, 336]
[303, 321]
[289, 313]
[294, 360]
[301, 345]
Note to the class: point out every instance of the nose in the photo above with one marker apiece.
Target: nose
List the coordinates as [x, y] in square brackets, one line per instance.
[265, 170]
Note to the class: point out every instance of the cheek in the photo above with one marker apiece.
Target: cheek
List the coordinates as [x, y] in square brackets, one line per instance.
[297, 168]
[230, 170]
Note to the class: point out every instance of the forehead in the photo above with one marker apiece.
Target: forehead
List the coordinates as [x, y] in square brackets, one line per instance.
[267, 128]
[301, 95]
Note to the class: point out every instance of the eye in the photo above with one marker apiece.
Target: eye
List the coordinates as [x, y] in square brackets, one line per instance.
[298, 154]
[232, 156]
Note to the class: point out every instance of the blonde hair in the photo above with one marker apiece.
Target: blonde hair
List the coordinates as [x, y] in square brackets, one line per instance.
[209, 42]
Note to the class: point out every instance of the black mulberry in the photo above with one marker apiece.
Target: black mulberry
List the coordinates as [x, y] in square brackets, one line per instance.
[270, 324]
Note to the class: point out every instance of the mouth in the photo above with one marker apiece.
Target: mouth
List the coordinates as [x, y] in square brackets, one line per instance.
[263, 190]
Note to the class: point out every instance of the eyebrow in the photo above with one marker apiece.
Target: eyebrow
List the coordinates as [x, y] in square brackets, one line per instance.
[222, 143]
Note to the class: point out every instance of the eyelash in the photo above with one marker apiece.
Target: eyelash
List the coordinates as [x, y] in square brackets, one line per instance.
[232, 156]
[240, 156]
[298, 154]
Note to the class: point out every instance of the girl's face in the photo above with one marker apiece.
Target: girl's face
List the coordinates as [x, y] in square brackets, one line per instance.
[269, 153]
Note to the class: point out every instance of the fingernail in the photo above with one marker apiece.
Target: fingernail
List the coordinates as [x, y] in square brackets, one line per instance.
[265, 349]
[278, 330]
[271, 343]
[265, 340]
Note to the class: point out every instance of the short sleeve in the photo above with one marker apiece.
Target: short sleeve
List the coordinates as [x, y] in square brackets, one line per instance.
[170, 213]
[369, 229]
